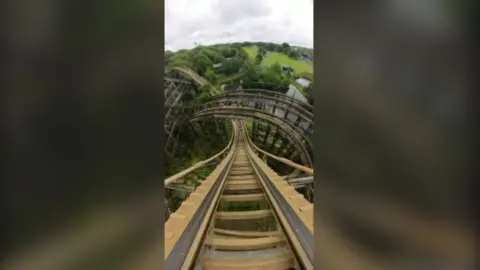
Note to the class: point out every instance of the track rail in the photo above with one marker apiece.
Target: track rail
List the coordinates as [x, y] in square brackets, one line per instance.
[191, 74]
[270, 93]
[199, 164]
[229, 110]
[282, 107]
[204, 234]
[288, 162]
[302, 143]
[181, 227]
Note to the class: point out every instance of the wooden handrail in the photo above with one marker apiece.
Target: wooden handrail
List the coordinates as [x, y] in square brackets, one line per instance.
[204, 162]
[283, 160]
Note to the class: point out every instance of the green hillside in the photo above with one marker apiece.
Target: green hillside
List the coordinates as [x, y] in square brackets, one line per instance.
[282, 59]
[300, 67]
[256, 64]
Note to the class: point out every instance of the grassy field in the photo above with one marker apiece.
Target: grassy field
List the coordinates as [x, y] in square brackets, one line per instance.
[300, 67]
[282, 59]
[251, 51]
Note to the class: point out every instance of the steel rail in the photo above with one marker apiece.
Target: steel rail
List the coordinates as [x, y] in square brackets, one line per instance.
[234, 112]
[304, 154]
[182, 226]
[297, 225]
[203, 239]
[340, 255]
[300, 180]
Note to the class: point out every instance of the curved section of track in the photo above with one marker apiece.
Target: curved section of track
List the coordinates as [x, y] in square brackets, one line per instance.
[209, 232]
[191, 74]
[289, 131]
[280, 105]
[302, 123]
[285, 161]
[268, 94]
[243, 111]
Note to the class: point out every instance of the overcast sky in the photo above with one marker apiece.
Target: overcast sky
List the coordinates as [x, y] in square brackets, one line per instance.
[221, 21]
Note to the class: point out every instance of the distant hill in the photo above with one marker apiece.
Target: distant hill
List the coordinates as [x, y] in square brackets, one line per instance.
[257, 64]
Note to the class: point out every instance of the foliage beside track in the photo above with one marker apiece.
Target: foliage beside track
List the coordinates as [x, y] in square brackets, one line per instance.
[212, 66]
[255, 63]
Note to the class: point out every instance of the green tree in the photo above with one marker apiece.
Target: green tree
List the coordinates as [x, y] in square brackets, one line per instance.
[227, 51]
[242, 54]
[270, 75]
[214, 55]
[210, 76]
[286, 49]
[232, 66]
[269, 46]
[259, 58]
[202, 62]
[293, 54]
[308, 92]
[251, 74]
[276, 68]
[262, 51]
[168, 56]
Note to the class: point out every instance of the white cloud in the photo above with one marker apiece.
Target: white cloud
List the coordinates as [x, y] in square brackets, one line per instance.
[219, 21]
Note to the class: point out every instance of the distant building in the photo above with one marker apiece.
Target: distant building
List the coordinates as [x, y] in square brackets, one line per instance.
[303, 82]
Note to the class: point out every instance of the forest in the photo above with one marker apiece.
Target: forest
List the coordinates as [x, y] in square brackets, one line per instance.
[257, 64]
